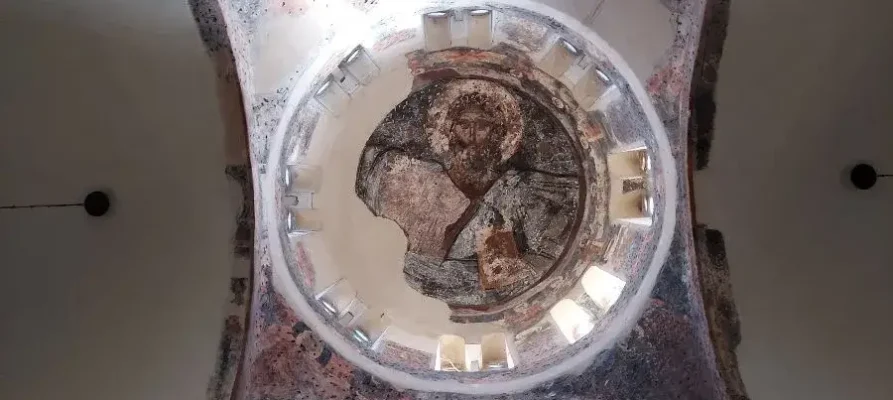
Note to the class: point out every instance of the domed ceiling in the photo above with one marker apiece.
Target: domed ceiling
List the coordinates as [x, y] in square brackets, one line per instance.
[452, 197]
[483, 211]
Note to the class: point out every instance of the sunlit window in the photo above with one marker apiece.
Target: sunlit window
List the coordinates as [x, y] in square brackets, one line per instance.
[572, 320]
[630, 198]
[602, 287]
[338, 298]
[450, 353]
[473, 357]
[494, 352]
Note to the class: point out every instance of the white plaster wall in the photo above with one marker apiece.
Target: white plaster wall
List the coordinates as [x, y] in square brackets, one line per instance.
[118, 94]
[805, 88]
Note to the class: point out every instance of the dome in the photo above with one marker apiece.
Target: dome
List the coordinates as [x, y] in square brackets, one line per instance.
[468, 199]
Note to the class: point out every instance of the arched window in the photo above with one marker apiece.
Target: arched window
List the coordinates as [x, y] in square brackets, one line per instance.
[572, 320]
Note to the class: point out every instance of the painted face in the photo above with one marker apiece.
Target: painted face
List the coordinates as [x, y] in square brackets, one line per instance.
[471, 127]
[474, 121]
[476, 128]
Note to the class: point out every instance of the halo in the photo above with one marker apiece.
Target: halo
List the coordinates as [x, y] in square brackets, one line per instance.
[494, 95]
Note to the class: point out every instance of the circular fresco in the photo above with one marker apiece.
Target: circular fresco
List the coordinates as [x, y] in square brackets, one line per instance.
[484, 183]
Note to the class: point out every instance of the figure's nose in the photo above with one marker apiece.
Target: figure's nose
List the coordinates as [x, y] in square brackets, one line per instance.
[466, 133]
[482, 131]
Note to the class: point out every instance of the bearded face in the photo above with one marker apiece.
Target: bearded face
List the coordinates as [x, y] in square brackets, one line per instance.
[471, 129]
[481, 129]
